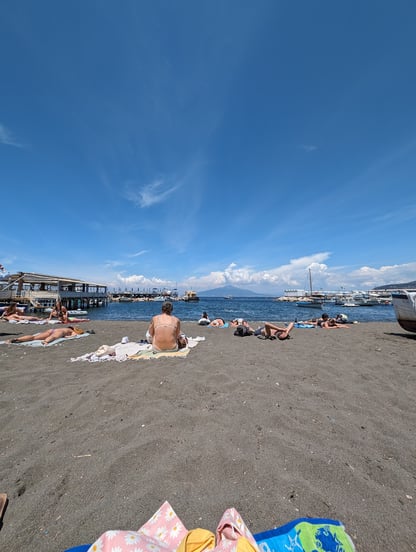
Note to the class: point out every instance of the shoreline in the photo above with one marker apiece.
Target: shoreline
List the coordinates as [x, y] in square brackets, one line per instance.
[321, 425]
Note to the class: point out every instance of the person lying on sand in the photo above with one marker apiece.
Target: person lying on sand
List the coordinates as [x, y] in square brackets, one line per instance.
[217, 323]
[271, 331]
[13, 313]
[332, 323]
[49, 335]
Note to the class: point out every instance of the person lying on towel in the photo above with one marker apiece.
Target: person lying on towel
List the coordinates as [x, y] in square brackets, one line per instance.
[49, 335]
[164, 331]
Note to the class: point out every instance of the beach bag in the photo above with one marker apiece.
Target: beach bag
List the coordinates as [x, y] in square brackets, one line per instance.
[242, 331]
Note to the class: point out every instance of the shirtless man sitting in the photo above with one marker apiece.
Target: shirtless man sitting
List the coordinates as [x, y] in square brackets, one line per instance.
[165, 331]
[49, 335]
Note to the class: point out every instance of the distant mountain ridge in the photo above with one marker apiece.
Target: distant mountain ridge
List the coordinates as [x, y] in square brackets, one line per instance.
[229, 291]
[410, 285]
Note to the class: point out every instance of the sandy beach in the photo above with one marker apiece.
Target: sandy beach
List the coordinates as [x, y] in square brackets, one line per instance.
[321, 425]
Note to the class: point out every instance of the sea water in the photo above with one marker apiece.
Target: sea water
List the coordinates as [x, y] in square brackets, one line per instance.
[257, 309]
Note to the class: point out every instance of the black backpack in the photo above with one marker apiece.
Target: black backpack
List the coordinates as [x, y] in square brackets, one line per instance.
[242, 331]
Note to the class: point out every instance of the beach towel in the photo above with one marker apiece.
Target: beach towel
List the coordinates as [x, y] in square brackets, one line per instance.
[165, 532]
[306, 535]
[150, 354]
[39, 343]
[303, 325]
[135, 351]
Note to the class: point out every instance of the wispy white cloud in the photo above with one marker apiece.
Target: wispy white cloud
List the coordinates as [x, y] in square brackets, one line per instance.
[151, 194]
[139, 253]
[7, 138]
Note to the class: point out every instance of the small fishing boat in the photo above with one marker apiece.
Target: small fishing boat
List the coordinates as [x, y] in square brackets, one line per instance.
[404, 303]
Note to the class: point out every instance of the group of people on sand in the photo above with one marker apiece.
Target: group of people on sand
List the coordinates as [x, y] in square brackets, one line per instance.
[164, 331]
[13, 313]
[270, 330]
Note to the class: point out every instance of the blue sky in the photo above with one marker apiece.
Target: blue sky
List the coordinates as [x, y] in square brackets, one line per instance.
[196, 144]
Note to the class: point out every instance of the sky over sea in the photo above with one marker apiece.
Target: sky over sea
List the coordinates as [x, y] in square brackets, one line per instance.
[195, 144]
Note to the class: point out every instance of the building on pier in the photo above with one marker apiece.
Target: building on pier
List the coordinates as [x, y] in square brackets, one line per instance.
[38, 291]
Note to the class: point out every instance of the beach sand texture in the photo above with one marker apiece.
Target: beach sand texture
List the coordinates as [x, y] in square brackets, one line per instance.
[321, 425]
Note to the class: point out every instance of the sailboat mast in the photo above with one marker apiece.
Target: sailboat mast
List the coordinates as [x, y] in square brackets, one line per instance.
[310, 281]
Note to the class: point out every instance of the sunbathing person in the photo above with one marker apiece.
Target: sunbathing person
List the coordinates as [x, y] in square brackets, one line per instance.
[204, 320]
[271, 331]
[217, 323]
[13, 313]
[243, 328]
[49, 335]
[331, 323]
[60, 312]
[164, 331]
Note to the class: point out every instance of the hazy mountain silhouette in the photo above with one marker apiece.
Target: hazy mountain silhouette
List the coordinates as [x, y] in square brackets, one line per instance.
[409, 285]
[229, 291]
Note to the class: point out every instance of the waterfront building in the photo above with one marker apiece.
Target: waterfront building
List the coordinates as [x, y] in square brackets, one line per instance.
[38, 291]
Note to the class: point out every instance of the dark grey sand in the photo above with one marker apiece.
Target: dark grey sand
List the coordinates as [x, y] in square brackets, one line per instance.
[321, 425]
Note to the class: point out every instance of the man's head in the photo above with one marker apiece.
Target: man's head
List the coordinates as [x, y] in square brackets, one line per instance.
[283, 335]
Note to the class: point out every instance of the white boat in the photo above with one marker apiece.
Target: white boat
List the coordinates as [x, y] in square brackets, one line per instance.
[77, 312]
[404, 303]
[190, 296]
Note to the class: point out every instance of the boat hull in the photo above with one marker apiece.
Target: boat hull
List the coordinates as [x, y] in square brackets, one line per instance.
[309, 305]
[404, 304]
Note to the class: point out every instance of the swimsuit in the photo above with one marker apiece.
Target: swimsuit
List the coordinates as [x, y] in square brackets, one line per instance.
[164, 325]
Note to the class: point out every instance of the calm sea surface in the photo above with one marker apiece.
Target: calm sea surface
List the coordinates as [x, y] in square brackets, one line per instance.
[252, 309]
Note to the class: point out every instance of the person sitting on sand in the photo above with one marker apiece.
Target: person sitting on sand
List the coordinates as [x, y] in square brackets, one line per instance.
[49, 335]
[204, 320]
[12, 313]
[60, 312]
[271, 331]
[217, 323]
[164, 331]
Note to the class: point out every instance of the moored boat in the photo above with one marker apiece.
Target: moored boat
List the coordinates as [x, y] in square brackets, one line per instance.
[404, 303]
[190, 296]
[311, 302]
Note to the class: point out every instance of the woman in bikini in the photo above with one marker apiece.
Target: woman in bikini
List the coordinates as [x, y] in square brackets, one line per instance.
[12, 313]
[60, 312]
[165, 330]
[48, 335]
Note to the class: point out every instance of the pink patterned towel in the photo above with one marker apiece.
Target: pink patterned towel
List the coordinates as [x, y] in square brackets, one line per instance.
[165, 532]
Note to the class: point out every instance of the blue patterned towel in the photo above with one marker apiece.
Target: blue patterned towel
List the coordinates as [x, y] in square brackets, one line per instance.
[306, 535]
